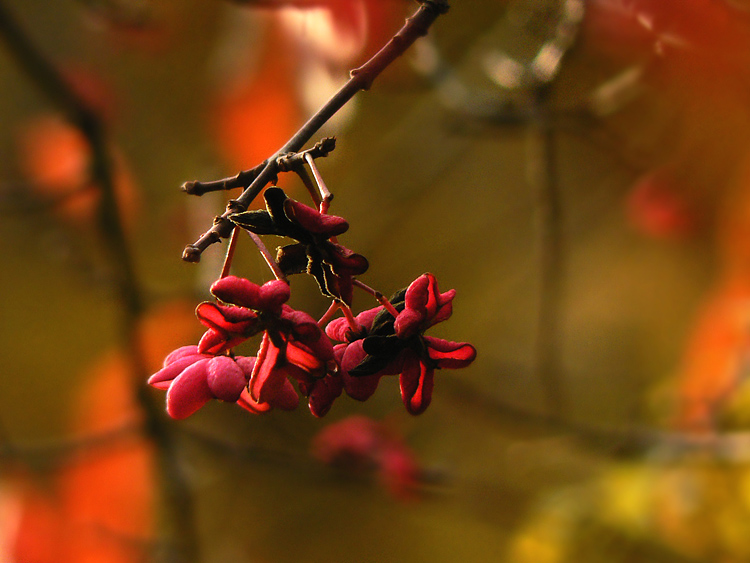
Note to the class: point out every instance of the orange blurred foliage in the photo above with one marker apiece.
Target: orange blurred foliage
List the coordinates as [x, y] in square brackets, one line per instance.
[56, 158]
[99, 505]
[252, 120]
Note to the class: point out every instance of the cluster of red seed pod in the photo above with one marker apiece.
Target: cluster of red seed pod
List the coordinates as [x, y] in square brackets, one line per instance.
[298, 355]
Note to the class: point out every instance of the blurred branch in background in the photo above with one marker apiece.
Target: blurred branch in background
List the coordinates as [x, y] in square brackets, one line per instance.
[177, 502]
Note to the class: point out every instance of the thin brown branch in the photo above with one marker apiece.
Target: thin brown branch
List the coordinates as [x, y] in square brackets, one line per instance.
[361, 79]
[240, 180]
[541, 172]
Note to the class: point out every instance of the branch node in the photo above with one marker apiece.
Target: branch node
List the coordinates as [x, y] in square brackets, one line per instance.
[191, 254]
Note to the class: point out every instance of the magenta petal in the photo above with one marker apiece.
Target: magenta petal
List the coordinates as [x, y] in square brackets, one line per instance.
[446, 297]
[408, 322]
[304, 326]
[346, 262]
[303, 357]
[273, 294]
[211, 342]
[366, 318]
[226, 318]
[416, 383]
[268, 379]
[189, 391]
[418, 293]
[322, 348]
[238, 291]
[286, 398]
[337, 329]
[443, 313]
[180, 353]
[314, 221]
[246, 363]
[451, 355]
[363, 387]
[163, 378]
[324, 392]
[225, 378]
[251, 405]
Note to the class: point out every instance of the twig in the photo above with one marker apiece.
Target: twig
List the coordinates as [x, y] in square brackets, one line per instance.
[325, 195]
[48, 80]
[382, 299]
[240, 180]
[296, 162]
[541, 173]
[361, 79]
[277, 273]
[230, 254]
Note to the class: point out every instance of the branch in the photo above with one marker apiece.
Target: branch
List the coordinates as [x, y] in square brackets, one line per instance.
[361, 79]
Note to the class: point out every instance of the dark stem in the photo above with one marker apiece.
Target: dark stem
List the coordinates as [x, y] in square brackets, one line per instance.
[542, 179]
[361, 79]
[50, 82]
[240, 180]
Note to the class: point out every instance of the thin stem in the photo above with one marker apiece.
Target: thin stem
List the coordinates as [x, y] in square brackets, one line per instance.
[542, 179]
[240, 180]
[278, 274]
[325, 195]
[311, 189]
[230, 253]
[382, 299]
[328, 315]
[361, 79]
[350, 320]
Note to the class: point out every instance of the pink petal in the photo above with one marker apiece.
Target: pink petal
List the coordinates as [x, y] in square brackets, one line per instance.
[322, 348]
[443, 313]
[362, 387]
[324, 392]
[451, 355]
[346, 262]
[314, 221]
[286, 398]
[304, 326]
[246, 363]
[238, 291]
[446, 297]
[225, 378]
[226, 319]
[251, 405]
[408, 322]
[267, 379]
[163, 378]
[180, 353]
[416, 384]
[421, 294]
[211, 342]
[273, 294]
[189, 391]
[304, 358]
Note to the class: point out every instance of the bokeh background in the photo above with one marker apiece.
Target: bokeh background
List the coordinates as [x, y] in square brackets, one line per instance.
[576, 170]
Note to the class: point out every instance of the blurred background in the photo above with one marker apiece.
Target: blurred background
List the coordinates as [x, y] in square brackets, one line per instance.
[576, 170]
